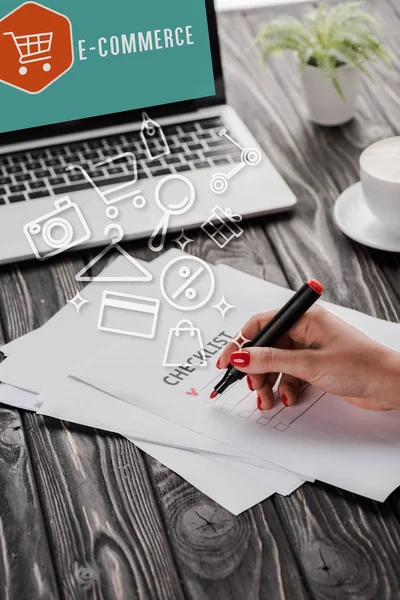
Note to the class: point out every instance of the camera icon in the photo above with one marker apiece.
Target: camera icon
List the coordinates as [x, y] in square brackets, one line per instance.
[57, 231]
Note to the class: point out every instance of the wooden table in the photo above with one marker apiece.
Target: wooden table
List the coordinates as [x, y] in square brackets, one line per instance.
[85, 515]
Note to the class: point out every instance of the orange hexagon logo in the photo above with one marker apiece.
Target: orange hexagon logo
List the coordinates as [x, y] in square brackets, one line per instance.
[36, 47]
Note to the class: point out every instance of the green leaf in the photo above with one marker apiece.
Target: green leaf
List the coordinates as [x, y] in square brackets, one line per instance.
[344, 33]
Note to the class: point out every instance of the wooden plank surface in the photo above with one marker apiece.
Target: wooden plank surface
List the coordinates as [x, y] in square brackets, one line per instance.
[102, 515]
[111, 524]
[102, 520]
[222, 556]
[26, 562]
[331, 532]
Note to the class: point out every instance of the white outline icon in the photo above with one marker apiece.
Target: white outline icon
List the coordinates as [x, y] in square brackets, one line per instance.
[127, 302]
[184, 327]
[223, 306]
[170, 210]
[150, 129]
[185, 273]
[56, 220]
[222, 224]
[78, 301]
[239, 340]
[145, 274]
[23, 43]
[107, 196]
[183, 240]
[250, 157]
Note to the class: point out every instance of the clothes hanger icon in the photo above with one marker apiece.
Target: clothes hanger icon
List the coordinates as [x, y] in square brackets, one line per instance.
[145, 275]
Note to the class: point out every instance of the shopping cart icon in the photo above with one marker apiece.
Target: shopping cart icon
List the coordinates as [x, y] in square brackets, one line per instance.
[33, 48]
[111, 195]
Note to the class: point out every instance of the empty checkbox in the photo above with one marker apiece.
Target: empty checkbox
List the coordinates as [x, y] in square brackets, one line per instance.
[209, 400]
[245, 414]
[263, 421]
[281, 427]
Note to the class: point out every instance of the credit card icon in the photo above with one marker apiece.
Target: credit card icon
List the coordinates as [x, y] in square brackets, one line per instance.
[128, 315]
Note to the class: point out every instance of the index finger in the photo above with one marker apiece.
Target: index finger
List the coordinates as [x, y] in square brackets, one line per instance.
[249, 331]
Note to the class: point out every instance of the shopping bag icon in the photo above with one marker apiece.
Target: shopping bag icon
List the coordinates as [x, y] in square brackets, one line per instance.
[184, 344]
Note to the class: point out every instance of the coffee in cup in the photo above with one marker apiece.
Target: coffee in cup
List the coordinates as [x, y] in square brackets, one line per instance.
[380, 179]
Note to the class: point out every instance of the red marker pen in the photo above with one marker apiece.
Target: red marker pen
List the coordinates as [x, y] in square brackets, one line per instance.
[280, 324]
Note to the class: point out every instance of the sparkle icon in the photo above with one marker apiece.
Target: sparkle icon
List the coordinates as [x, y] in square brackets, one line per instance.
[240, 340]
[78, 301]
[223, 306]
[183, 240]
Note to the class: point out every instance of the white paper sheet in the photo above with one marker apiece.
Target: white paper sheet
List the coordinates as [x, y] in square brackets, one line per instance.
[46, 356]
[221, 478]
[54, 347]
[19, 398]
[322, 436]
[41, 359]
[234, 485]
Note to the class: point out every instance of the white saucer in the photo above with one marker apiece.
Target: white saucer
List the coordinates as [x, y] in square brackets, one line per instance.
[354, 218]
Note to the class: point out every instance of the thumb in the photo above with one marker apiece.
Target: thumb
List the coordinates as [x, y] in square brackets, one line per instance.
[297, 363]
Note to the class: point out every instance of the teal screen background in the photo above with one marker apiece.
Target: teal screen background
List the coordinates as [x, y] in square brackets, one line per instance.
[99, 86]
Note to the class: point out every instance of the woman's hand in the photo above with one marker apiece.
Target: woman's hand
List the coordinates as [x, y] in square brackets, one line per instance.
[325, 351]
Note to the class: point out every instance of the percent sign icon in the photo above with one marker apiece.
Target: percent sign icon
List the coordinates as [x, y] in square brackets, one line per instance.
[190, 293]
[195, 285]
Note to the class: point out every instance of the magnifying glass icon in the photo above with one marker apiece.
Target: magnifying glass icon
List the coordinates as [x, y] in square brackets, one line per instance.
[170, 209]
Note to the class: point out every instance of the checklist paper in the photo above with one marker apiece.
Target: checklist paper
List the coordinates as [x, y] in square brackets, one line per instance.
[41, 361]
[322, 437]
[71, 370]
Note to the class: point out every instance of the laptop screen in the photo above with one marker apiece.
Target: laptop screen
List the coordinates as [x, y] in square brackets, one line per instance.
[64, 61]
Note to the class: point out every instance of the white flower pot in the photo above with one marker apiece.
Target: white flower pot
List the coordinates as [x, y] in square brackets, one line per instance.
[325, 106]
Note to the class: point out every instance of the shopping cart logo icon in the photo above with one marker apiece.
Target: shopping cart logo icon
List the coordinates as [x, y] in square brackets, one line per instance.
[37, 42]
[33, 48]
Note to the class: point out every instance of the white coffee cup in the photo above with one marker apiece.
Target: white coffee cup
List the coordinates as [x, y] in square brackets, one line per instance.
[380, 179]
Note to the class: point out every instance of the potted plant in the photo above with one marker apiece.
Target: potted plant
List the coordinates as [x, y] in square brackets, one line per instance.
[333, 47]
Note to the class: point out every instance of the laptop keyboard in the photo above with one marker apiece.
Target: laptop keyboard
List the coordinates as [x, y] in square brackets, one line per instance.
[33, 174]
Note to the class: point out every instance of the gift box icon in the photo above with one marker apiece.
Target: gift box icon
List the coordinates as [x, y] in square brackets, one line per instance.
[222, 226]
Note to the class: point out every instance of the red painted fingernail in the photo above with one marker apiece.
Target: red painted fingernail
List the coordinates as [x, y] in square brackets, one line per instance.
[284, 399]
[259, 402]
[240, 359]
[218, 365]
[249, 384]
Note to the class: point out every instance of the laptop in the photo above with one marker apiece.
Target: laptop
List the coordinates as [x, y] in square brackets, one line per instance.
[80, 88]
